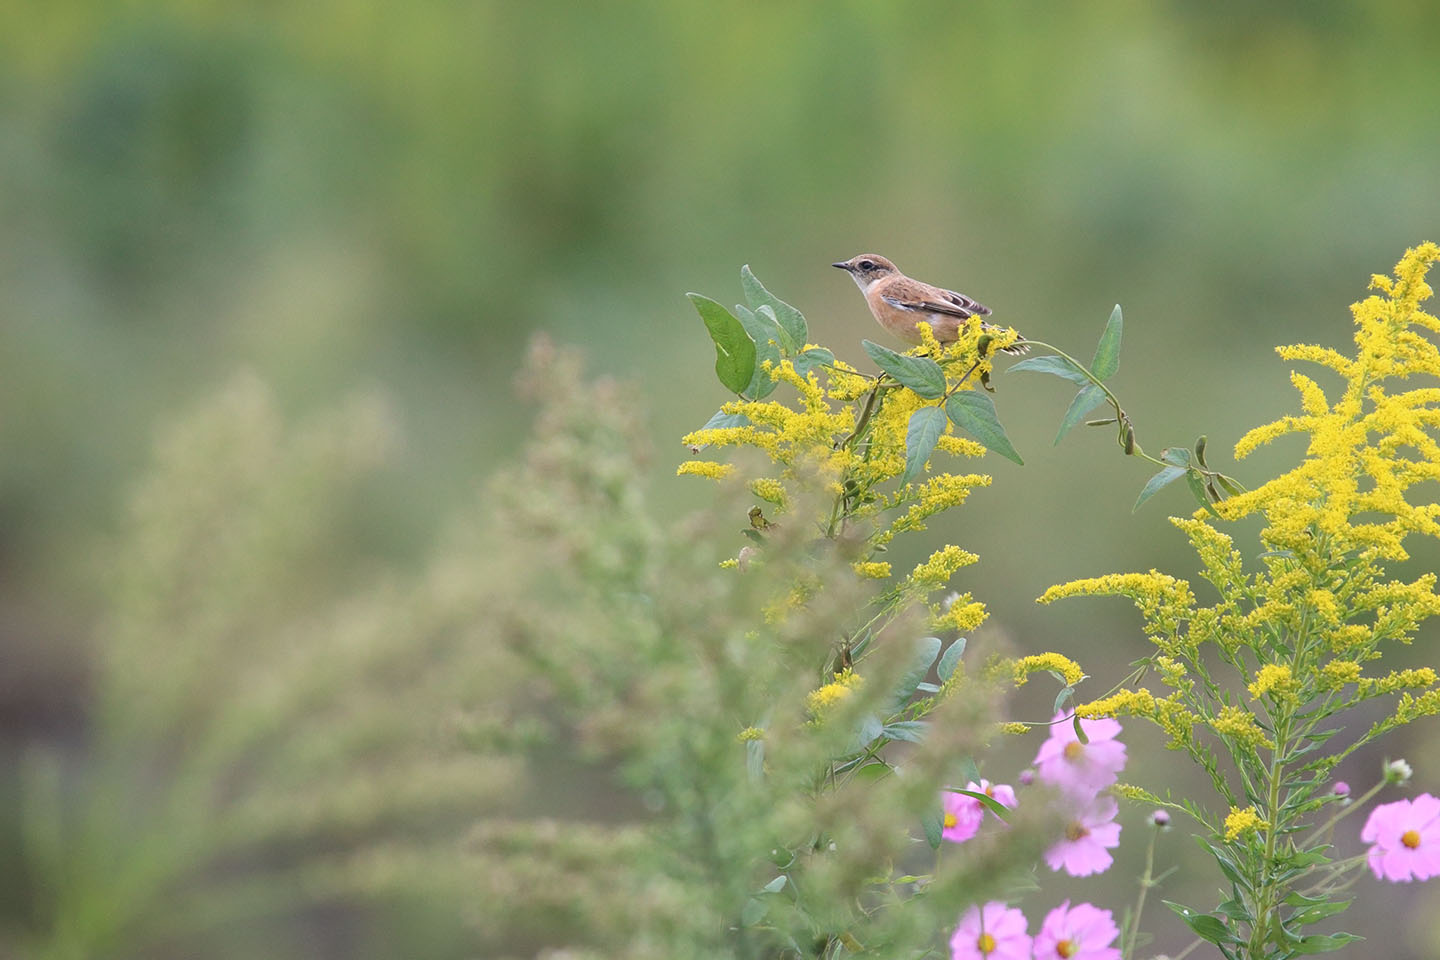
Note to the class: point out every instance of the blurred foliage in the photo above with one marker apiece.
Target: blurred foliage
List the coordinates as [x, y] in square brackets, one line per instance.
[342, 194]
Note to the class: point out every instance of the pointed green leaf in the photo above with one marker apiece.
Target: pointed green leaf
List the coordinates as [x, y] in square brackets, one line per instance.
[926, 425]
[765, 333]
[1060, 699]
[1107, 351]
[1322, 944]
[1231, 485]
[1197, 487]
[969, 769]
[1089, 397]
[945, 669]
[911, 731]
[920, 374]
[1179, 456]
[1057, 366]
[734, 350]
[932, 821]
[1166, 475]
[974, 413]
[811, 359]
[1206, 927]
[1079, 730]
[996, 807]
[753, 912]
[792, 321]
[925, 652]
[776, 885]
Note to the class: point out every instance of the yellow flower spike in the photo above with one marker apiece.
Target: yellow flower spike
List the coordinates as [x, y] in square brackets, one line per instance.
[937, 571]
[1137, 703]
[1015, 728]
[962, 615]
[1276, 680]
[1337, 673]
[1062, 665]
[873, 569]
[1239, 725]
[704, 468]
[1240, 822]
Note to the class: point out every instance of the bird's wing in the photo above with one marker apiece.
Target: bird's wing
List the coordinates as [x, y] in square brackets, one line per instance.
[923, 298]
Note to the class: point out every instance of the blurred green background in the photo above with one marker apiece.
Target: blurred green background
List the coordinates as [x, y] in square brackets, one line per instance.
[340, 195]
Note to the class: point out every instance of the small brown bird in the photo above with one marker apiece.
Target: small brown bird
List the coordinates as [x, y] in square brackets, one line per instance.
[899, 302]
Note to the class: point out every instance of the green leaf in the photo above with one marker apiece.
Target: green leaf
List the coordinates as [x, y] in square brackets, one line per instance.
[792, 321]
[945, 669]
[1167, 475]
[926, 425]
[920, 374]
[1200, 450]
[1229, 483]
[911, 731]
[1107, 351]
[808, 360]
[1197, 487]
[1079, 730]
[974, 413]
[734, 350]
[1056, 366]
[1206, 927]
[776, 885]
[873, 771]
[1323, 944]
[869, 728]
[765, 333]
[969, 769]
[1177, 456]
[1060, 699]
[753, 912]
[932, 821]
[925, 652]
[995, 806]
[1087, 399]
[1319, 911]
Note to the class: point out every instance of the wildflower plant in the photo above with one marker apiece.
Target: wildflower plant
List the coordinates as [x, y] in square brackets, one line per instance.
[1258, 688]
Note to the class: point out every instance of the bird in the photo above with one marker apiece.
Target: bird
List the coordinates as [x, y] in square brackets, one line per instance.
[899, 302]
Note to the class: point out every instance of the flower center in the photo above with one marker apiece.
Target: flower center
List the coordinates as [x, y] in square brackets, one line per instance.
[950, 820]
[1074, 750]
[1075, 830]
[1411, 838]
[990, 790]
[986, 943]
[1066, 948]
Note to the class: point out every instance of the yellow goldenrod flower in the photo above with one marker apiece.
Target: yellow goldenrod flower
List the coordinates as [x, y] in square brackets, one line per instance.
[937, 571]
[768, 489]
[873, 569]
[1274, 679]
[750, 733]
[1239, 725]
[1014, 727]
[704, 468]
[845, 683]
[1337, 673]
[1062, 665]
[1239, 822]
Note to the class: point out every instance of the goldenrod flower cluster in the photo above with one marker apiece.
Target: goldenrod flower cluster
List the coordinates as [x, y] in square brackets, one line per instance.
[1297, 628]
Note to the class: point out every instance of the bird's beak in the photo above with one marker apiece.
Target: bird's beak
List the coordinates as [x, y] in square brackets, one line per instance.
[843, 264]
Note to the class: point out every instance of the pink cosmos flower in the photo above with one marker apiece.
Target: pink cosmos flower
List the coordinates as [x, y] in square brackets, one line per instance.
[1406, 838]
[995, 933]
[1081, 769]
[963, 814]
[1088, 832]
[1081, 932]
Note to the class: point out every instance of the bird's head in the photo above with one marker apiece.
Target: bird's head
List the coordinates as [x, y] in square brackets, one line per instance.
[866, 268]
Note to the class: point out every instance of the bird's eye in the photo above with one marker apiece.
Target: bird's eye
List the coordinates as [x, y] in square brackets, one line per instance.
[867, 264]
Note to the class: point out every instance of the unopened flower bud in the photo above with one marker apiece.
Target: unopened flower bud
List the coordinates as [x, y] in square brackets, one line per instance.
[1160, 819]
[1398, 771]
[1341, 789]
[1027, 777]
